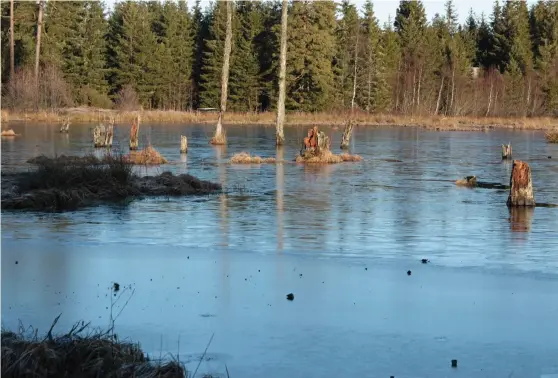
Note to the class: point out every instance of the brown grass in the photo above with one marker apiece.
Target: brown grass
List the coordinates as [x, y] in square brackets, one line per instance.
[147, 156]
[77, 354]
[439, 123]
[70, 182]
[245, 158]
[9, 133]
[551, 136]
[219, 140]
[327, 157]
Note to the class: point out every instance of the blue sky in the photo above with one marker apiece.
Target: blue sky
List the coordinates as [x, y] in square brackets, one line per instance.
[385, 8]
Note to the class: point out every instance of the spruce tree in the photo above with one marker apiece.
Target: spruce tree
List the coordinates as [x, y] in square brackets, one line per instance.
[311, 45]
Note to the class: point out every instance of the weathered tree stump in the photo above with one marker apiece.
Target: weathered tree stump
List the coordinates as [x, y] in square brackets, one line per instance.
[109, 133]
[183, 144]
[506, 151]
[315, 143]
[521, 186]
[99, 136]
[469, 181]
[134, 135]
[347, 134]
[65, 126]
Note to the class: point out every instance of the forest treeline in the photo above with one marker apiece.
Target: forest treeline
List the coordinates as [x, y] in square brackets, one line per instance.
[163, 55]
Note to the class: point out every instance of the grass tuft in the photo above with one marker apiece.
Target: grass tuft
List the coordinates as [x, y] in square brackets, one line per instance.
[147, 156]
[326, 157]
[80, 354]
[9, 133]
[70, 182]
[245, 158]
[551, 136]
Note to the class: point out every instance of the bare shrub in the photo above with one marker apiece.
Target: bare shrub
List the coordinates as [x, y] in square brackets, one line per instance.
[52, 92]
[127, 99]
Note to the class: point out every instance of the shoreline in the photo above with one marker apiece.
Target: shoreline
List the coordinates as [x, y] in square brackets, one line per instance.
[435, 123]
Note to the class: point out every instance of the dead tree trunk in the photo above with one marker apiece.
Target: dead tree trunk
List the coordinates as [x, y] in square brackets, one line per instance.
[280, 136]
[355, 74]
[99, 136]
[134, 134]
[65, 125]
[12, 48]
[521, 186]
[109, 133]
[183, 144]
[38, 43]
[489, 98]
[506, 151]
[219, 137]
[439, 97]
[347, 135]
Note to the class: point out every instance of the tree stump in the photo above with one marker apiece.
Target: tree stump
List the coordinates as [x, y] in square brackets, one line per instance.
[347, 135]
[469, 181]
[506, 151]
[183, 144]
[134, 135]
[99, 136]
[65, 126]
[109, 133]
[521, 186]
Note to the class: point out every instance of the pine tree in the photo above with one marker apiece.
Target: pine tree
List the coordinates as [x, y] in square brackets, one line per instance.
[210, 80]
[373, 94]
[499, 53]
[311, 45]
[244, 77]
[347, 35]
[410, 24]
[133, 50]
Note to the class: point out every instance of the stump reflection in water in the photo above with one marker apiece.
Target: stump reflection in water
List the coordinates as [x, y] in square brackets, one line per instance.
[521, 218]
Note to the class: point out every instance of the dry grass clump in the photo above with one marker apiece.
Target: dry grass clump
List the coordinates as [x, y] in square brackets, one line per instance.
[326, 157]
[9, 133]
[147, 156]
[219, 140]
[350, 158]
[551, 136]
[75, 354]
[245, 158]
[67, 183]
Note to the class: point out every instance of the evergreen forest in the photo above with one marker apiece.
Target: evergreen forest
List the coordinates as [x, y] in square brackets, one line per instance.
[168, 56]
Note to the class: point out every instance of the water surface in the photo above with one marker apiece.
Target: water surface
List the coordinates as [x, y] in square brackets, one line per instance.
[340, 237]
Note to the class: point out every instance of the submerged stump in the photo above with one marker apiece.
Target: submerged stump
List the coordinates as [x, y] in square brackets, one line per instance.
[521, 186]
[183, 144]
[99, 136]
[109, 133]
[506, 151]
[347, 135]
[134, 134]
[65, 126]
